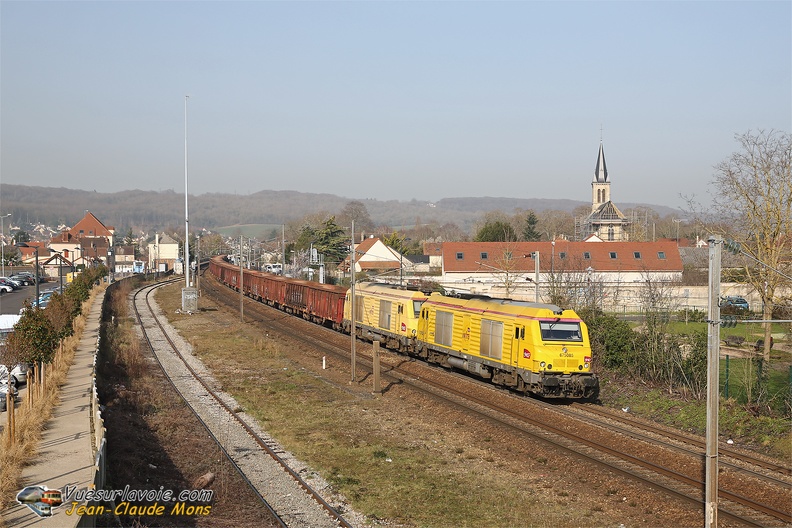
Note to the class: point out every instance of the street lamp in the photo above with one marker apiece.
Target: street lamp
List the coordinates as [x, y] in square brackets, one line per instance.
[74, 260]
[36, 249]
[678, 221]
[2, 242]
[401, 262]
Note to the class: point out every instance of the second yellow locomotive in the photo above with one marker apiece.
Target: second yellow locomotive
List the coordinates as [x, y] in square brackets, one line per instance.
[531, 347]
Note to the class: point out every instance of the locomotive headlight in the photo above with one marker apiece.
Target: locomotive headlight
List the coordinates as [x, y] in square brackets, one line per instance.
[586, 365]
[542, 364]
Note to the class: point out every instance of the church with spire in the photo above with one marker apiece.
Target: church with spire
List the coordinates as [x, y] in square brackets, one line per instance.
[605, 222]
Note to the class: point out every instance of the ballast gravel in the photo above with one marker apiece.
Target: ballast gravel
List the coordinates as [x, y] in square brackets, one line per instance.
[284, 495]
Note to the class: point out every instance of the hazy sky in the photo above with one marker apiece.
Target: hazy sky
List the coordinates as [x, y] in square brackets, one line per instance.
[389, 100]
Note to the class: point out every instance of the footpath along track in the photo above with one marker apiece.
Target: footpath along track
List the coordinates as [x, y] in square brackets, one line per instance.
[263, 464]
[751, 498]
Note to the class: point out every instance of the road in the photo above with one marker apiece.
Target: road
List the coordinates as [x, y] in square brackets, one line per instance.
[11, 303]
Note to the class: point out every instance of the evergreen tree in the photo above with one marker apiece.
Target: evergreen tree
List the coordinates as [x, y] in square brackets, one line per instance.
[496, 231]
[529, 232]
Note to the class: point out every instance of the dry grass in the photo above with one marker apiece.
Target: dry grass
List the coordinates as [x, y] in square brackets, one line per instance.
[30, 421]
[393, 457]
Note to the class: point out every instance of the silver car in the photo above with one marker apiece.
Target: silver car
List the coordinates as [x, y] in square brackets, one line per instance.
[18, 374]
[4, 394]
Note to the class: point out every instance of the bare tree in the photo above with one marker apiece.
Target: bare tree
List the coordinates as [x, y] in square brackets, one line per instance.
[505, 268]
[554, 223]
[356, 211]
[753, 197]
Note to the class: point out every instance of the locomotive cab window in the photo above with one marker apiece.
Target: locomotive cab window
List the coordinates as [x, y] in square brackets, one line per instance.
[417, 307]
[558, 331]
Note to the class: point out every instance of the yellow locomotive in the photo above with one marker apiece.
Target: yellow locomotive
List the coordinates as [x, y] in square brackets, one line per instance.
[385, 313]
[531, 347]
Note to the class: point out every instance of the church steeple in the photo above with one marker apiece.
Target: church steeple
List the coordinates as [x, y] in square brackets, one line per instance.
[605, 220]
[600, 186]
[601, 171]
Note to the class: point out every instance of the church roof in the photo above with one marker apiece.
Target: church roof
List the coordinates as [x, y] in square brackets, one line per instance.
[606, 212]
[601, 170]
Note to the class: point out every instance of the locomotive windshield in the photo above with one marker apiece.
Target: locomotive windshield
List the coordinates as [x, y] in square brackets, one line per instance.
[417, 306]
[558, 331]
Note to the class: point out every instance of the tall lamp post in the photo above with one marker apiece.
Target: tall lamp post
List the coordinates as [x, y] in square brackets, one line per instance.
[36, 249]
[401, 262]
[2, 242]
[74, 260]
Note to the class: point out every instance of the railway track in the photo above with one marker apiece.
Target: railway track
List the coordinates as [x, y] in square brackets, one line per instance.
[619, 449]
[260, 462]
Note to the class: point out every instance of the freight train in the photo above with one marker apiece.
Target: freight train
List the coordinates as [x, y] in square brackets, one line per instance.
[529, 347]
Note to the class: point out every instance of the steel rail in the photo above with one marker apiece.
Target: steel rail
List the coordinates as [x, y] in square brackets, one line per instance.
[697, 484]
[337, 517]
[694, 441]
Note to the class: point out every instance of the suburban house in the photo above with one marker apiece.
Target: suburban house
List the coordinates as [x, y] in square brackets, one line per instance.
[163, 253]
[123, 258]
[28, 253]
[378, 260]
[87, 243]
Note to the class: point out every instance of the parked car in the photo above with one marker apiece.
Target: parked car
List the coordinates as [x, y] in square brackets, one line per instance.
[37, 302]
[6, 288]
[44, 296]
[29, 274]
[736, 302]
[14, 284]
[24, 280]
[4, 389]
[18, 374]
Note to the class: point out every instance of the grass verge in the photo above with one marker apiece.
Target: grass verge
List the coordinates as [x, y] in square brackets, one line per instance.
[387, 456]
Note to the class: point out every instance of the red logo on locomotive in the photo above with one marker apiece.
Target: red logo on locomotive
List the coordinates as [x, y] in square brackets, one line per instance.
[526, 353]
[404, 327]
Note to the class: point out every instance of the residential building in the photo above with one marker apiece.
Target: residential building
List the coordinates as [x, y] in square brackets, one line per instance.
[89, 241]
[530, 270]
[378, 260]
[123, 258]
[163, 253]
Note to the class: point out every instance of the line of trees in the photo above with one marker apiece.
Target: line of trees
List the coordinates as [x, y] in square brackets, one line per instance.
[40, 332]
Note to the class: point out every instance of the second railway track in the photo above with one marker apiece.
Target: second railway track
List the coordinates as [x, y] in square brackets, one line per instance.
[267, 469]
[735, 508]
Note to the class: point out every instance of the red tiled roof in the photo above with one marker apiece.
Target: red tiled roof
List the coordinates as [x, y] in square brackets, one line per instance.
[573, 256]
[90, 226]
[378, 264]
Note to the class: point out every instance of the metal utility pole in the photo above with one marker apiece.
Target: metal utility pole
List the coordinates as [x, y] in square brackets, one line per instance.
[186, 213]
[536, 274]
[189, 294]
[713, 383]
[353, 330]
[241, 284]
[2, 243]
[198, 267]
